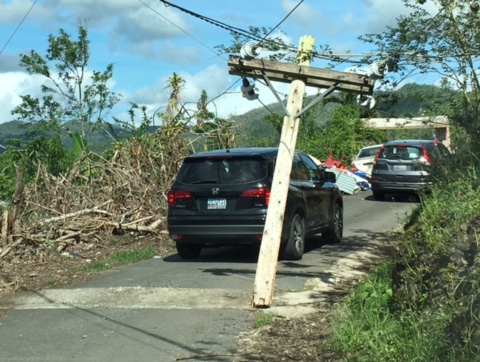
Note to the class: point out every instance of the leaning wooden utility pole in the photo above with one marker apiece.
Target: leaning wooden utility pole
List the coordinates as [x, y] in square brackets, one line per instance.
[269, 249]
[299, 75]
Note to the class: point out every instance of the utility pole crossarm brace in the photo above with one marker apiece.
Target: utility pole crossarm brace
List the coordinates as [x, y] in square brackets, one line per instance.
[318, 99]
[312, 77]
[265, 78]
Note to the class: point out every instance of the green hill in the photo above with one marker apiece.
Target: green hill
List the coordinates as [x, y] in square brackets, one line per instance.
[252, 127]
[98, 140]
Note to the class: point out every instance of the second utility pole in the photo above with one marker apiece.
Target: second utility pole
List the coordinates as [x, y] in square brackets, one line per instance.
[270, 247]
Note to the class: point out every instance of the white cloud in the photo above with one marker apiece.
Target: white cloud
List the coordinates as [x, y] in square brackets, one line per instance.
[92, 11]
[380, 13]
[131, 25]
[15, 84]
[12, 10]
[9, 63]
[143, 24]
[212, 79]
[377, 14]
[304, 16]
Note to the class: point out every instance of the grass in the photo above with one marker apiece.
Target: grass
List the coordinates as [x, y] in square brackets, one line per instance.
[429, 313]
[264, 319]
[120, 258]
[364, 329]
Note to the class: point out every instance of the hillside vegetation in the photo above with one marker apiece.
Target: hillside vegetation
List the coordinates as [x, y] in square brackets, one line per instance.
[24, 132]
[424, 304]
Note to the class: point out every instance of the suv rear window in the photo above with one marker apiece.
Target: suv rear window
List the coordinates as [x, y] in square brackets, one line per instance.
[220, 170]
[401, 152]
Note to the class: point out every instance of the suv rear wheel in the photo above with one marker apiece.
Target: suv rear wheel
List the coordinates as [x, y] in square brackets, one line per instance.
[334, 233]
[188, 251]
[296, 239]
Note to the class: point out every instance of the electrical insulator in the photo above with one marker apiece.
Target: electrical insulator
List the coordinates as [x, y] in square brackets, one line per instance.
[250, 50]
[248, 90]
[376, 70]
[366, 101]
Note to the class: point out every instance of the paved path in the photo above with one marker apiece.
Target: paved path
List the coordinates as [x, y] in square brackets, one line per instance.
[170, 309]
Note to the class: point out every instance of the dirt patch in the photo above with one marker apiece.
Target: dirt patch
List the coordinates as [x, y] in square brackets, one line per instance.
[305, 339]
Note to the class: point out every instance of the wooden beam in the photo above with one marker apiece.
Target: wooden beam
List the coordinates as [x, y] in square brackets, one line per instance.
[313, 77]
[408, 123]
[272, 232]
[440, 124]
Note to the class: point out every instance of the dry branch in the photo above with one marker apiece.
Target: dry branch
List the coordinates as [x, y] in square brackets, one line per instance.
[98, 197]
[18, 196]
[10, 247]
[5, 228]
[153, 227]
[76, 213]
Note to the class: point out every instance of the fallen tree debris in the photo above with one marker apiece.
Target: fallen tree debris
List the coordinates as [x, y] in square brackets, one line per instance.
[96, 199]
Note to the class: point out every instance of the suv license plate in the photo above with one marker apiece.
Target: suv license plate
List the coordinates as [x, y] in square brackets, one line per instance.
[216, 204]
[399, 168]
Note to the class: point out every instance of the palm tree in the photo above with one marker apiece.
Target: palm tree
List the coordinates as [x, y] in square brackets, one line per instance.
[175, 84]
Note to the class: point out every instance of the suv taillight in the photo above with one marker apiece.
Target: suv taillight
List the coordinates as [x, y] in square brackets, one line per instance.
[258, 193]
[380, 151]
[175, 195]
[426, 157]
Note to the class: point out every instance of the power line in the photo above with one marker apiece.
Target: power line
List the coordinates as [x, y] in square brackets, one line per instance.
[225, 91]
[248, 34]
[214, 22]
[184, 31]
[18, 27]
[285, 18]
[282, 46]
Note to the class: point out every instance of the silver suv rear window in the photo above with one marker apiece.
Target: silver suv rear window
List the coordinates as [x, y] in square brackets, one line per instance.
[401, 152]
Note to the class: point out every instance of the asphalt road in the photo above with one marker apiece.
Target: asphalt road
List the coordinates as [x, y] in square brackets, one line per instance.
[170, 309]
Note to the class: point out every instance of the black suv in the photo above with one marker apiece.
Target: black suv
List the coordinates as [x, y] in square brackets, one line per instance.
[406, 166]
[221, 198]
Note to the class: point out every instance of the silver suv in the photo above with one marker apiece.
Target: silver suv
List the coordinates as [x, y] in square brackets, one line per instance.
[404, 166]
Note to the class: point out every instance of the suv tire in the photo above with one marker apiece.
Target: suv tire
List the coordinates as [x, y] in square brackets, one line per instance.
[188, 251]
[295, 244]
[334, 233]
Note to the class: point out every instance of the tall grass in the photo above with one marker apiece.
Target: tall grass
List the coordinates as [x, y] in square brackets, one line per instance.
[364, 328]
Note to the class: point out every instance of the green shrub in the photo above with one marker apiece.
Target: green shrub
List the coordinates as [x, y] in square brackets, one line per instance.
[425, 304]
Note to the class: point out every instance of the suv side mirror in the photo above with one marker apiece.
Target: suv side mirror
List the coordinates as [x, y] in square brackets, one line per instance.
[330, 176]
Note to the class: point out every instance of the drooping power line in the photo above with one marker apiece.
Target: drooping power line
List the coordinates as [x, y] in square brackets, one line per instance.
[230, 28]
[280, 23]
[184, 31]
[18, 27]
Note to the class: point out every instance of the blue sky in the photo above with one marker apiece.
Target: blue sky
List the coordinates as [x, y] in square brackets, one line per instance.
[147, 41]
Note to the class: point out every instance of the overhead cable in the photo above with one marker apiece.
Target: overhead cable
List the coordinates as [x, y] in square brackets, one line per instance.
[215, 22]
[175, 25]
[285, 18]
[18, 27]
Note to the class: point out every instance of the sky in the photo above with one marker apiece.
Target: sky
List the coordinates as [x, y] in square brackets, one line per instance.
[147, 41]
